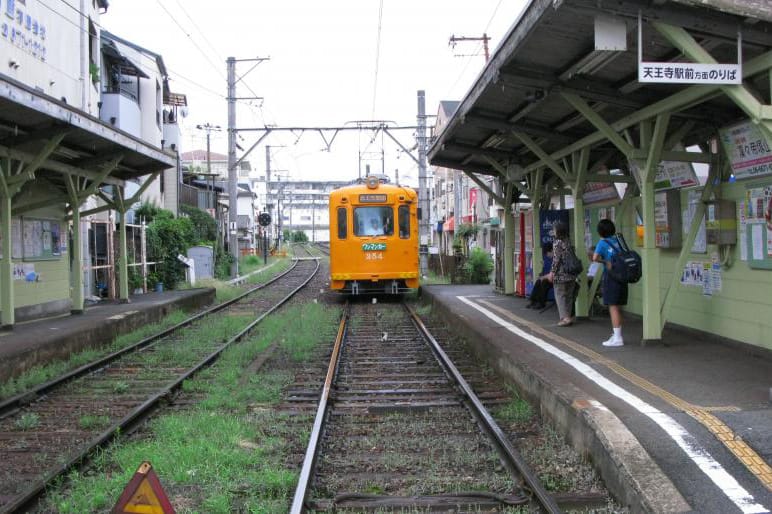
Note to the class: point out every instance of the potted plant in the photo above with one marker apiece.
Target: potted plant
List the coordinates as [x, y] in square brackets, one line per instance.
[93, 70]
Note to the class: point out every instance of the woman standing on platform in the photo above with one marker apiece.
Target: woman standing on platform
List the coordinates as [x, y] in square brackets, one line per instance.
[614, 291]
[562, 281]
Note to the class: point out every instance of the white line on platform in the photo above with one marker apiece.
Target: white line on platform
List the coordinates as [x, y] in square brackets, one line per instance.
[707, 464]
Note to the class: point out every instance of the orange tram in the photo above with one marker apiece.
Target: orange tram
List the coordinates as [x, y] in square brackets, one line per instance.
[373, 238]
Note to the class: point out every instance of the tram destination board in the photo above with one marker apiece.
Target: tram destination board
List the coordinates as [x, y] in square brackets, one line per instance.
[372, 198]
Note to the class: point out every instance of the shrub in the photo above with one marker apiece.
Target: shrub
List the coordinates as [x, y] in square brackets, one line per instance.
[204, 225]
[168, 237]
[479, 266]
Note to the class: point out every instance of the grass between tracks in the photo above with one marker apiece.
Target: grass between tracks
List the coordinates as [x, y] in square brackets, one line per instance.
[40, 374]
[229, 451]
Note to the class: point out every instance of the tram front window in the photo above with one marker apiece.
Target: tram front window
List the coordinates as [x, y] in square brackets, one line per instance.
[373, 221]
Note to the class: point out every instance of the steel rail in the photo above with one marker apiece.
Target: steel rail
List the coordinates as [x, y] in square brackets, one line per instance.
[511, 456]
[309, 461]
[141, 412]
[13, 403]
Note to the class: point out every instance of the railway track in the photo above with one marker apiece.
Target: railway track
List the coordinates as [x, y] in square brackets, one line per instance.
[398, 428]
[48, 430]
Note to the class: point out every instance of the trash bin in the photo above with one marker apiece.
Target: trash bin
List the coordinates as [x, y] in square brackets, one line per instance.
[159, 287]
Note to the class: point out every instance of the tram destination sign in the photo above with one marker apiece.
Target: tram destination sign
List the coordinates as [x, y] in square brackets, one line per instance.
[689, 73]
[372, 198]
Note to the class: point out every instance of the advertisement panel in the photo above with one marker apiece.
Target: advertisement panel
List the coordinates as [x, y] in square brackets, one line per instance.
[747, 149]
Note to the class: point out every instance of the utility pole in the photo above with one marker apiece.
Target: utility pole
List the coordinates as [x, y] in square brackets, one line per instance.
[208, 128]
[485, 38]
[423, 192]
[233, 186]
[233, 236]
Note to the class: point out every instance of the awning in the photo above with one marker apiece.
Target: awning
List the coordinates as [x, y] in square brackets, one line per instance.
[126, 65]
[30, 119]
[467, 219]
[450, 225]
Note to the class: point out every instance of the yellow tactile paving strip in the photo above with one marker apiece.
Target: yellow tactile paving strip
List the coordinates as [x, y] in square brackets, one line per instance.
[734, 443]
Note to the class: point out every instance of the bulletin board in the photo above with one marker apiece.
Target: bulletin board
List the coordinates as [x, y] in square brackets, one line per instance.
[756, 227]
[35, 239]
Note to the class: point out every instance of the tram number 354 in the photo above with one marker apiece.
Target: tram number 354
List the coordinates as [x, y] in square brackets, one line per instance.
[373, 256]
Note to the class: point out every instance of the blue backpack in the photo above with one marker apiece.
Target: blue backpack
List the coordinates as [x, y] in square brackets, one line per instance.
[625, 263]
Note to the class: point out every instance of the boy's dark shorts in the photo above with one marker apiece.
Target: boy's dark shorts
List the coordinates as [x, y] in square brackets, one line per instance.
[614, 292]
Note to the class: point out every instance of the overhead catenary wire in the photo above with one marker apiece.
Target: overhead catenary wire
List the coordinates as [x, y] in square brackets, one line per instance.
[187, 34]
[377, 55]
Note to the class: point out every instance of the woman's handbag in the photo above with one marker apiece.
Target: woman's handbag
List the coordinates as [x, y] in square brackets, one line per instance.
[571, 263]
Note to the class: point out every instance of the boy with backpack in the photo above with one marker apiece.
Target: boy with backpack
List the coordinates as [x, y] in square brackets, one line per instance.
[614, 290]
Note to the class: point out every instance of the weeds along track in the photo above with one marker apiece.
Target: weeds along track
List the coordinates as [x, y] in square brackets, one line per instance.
[402, 430]
[48, 430]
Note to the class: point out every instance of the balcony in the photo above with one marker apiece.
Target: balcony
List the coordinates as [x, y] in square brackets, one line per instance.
[121, 109]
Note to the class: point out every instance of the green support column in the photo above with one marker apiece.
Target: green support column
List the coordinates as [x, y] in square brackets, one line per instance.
[580, 162]
[6, 267]
[509, 244]
[652, 326]
[76, 269]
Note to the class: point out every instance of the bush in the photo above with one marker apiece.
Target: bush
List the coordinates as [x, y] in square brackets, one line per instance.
[168, 237]
[299, 237]
[204, 225]
[222, 263]
[479, 266]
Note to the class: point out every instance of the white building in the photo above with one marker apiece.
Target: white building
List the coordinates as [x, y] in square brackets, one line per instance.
[300, 206]
[58, 155]
[53, 49]
[136, 99]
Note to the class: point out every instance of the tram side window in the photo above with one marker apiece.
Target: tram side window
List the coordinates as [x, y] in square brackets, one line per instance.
[404, 221]
[342, 223]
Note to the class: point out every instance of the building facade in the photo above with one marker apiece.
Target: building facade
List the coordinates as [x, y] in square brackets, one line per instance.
[59, 156]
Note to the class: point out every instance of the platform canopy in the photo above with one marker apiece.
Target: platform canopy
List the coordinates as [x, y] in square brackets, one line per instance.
[51, 140]
[560, 110]
[548, 92]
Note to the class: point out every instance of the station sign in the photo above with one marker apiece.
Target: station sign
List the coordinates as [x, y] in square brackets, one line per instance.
[689, 73]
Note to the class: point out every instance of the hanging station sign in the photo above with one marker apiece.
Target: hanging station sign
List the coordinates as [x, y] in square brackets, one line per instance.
[688, 72]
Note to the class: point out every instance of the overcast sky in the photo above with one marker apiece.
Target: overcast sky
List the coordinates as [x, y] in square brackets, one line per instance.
[321, 72]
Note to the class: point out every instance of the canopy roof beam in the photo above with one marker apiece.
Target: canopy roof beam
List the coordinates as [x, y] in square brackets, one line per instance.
[688, 96]
[758, 113]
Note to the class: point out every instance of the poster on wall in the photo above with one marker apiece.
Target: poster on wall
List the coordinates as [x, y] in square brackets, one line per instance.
[547, 219]
[587, 230]
[747, 149]
[670, 175]
[742, 235]
[16, 242]
[595, 192]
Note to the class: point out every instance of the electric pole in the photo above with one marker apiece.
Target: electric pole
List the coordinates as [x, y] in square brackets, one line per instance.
[233, 186]
[208, 128]
[423, 192]
[485, 38]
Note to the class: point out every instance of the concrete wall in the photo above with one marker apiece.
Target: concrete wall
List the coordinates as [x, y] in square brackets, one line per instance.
[49, 46]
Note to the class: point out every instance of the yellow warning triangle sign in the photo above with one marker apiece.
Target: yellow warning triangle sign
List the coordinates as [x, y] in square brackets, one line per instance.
[143, 494]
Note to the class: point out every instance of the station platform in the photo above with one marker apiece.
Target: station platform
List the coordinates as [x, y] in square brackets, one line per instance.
[36, 342]
[679, 426]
